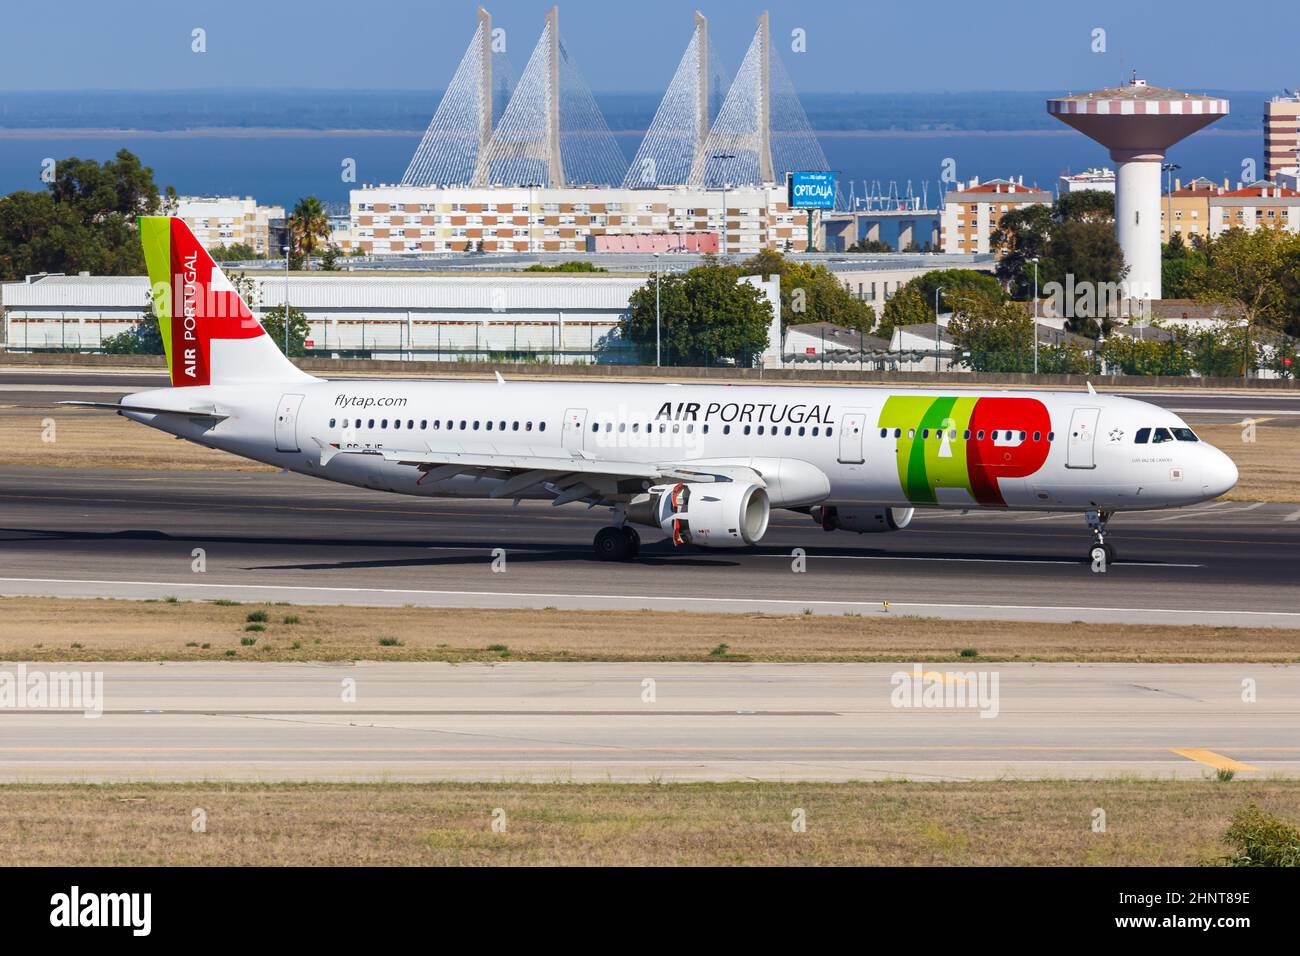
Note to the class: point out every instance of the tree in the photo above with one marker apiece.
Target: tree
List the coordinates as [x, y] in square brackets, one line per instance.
[1075, 236]
[85, 220]
[870, 245]
[1086, 205]
[329, 260]
[309, 227]
[811, 293]
[143, 338]
[907, 306]
[576, 266]
[1243, 271]
[299, 328]
[995, 335]
[236, 252]
[1178, 264]
[705, 314]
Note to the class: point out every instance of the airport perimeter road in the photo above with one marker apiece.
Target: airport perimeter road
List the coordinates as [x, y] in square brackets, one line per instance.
[593, 722]
[281, 537]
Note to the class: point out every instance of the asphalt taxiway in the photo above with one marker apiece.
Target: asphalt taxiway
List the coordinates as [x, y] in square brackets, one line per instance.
[596, 722]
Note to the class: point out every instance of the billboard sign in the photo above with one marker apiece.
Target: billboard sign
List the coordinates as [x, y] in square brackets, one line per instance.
[809, 190]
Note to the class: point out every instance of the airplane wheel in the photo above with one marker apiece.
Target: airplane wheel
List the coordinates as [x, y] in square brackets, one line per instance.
[633, 542]
[1099, 553]
[616, 544]
[1110, 554]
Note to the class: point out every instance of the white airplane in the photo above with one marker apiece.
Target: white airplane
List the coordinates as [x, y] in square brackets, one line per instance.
[703, 464]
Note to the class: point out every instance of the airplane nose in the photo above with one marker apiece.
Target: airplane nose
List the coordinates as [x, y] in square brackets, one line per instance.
[1219, 475]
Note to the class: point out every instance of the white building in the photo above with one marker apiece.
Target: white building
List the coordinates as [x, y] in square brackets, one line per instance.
[229, 220]
[1101, 180]
[973, 211]
[431, 219]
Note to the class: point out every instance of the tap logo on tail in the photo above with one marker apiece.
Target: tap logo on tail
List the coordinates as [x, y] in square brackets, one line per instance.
[196, 305]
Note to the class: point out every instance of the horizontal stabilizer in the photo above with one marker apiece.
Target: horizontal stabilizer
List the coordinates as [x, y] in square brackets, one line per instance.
[195, 412]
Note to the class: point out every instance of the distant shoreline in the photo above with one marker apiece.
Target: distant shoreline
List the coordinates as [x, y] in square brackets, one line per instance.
[253, 132]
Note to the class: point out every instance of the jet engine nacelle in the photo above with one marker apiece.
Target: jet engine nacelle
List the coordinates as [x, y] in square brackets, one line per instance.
[862, 520]
[720, 514]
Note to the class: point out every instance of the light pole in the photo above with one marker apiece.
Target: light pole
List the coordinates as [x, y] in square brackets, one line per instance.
[937, 290]
[724, 156]
[1035, 262]
[656, 310]
[1169, 199]
[286, 301]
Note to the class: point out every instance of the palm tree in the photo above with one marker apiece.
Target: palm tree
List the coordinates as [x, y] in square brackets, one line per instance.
[309, 226]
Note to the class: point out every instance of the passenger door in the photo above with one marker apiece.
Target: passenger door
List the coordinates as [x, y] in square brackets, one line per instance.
[1083, 432]
[286, 423]
[575, 428]
[851, 428]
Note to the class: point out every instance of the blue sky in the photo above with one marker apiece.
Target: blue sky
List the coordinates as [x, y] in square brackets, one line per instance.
[864, 45]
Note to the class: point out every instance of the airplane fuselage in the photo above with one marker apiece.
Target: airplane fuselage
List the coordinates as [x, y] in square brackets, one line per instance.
[884, 447]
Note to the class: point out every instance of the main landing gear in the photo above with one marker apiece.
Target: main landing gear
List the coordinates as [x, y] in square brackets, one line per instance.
[1100, 553]
[620, 543]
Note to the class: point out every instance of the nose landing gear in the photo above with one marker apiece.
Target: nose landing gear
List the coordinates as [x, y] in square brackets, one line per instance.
[1101, 552]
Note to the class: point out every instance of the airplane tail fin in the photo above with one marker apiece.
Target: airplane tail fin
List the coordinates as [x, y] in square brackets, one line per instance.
[209, 334]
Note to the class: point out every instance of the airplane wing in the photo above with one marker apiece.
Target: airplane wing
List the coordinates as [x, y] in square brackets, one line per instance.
[209, 411]
[573, 477]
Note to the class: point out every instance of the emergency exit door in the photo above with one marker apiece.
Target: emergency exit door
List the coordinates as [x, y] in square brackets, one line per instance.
[286, 423]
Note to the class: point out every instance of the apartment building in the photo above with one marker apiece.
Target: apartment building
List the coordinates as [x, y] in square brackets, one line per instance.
[1204, 208]
[429, 219]
[1281, 133]
[972, 212]
[229, 220]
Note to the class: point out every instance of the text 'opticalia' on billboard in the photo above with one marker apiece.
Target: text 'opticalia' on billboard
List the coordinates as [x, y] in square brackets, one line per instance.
[812, 190]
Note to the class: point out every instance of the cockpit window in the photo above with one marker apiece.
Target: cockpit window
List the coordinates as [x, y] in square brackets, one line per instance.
[1143, 436]
[1161, 434]
[1185, 434]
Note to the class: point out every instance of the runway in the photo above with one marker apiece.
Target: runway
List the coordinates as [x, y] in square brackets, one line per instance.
[597, 722]
[288, 538]
[282, 537]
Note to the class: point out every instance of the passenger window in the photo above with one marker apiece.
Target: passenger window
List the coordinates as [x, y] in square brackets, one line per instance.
[501, 426]
[372, 423]
[541, 427]
[1051, 436]
[760, 429]
[787, 429]
[689, 429]
[705, 428]
[979, 435]
[801, 431]
[331, 423]
[595, 426]
[622, 427]
[1022, 436]
[925, 433]
[898, 433]
[1037, 436]
[424, 423]
[462, 424]
[726, 429]
[410, 423]
[965, 435]
[911, 433]
[528, 426]
[488, 425]
[397, 423]
[475, 424]
[884, 432]
[514, 427]
[609, 426]
[383, 423]
[828, 431]
[815, 431]
[636, 426]
[746, 429]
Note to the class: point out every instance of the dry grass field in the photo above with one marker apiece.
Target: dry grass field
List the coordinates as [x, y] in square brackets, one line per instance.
[105, 440]
[1269, 466]
[1041, 823]
[38, 629]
